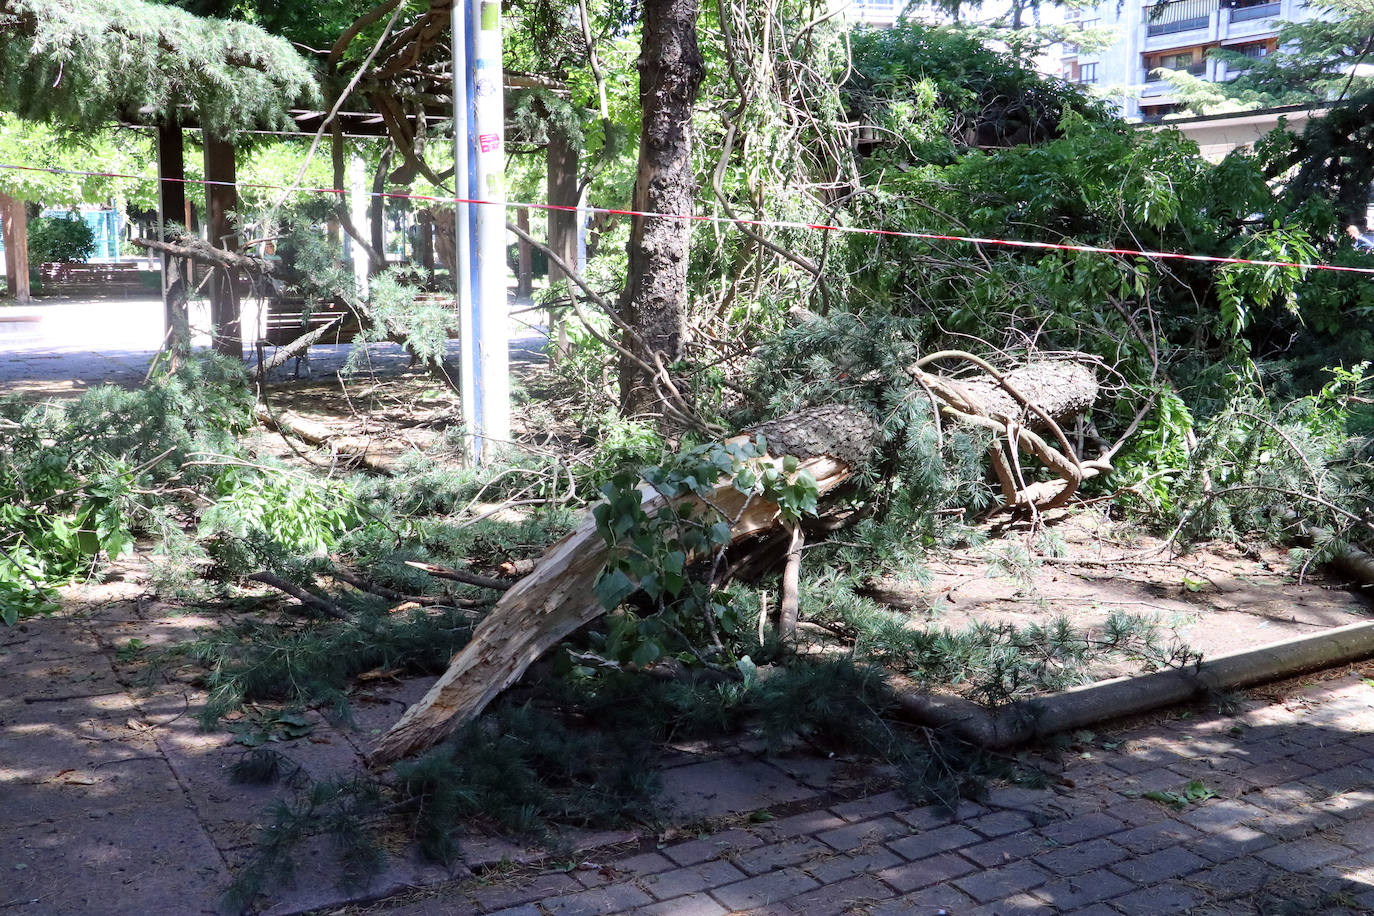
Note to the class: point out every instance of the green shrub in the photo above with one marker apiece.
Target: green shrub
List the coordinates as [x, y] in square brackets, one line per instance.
[57, 238]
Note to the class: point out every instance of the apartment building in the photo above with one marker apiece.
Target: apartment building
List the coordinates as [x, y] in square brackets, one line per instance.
[874, 12]
[1177, 35]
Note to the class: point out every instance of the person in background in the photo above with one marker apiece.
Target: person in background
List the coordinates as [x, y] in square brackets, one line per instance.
[1363, 240]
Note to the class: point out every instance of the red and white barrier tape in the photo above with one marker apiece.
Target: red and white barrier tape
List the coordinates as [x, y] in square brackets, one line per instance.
[762, 224]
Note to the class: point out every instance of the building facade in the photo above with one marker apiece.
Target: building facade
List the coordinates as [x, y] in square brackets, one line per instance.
[1177, 35]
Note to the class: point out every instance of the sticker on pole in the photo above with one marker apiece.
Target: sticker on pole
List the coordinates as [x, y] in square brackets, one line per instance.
[491, 16]
[489, 143]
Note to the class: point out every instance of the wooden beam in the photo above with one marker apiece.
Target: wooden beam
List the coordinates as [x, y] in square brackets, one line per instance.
[16, 234]
[221, 199]
[171, 173]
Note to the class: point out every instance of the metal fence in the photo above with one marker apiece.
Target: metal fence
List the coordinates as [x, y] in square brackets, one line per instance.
[1178, 16]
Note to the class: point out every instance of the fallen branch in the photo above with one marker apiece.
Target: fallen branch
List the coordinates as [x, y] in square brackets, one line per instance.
[316, 433]
[328, 608]
[457, 575]
[1017, 406]
[294, 348]
[202, 252]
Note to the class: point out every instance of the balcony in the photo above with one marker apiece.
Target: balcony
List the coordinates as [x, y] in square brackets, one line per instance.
[1258, 11]
[1178, 16]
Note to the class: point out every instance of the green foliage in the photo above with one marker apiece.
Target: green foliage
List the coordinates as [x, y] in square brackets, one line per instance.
[996, 664]
[123, 151]
[395, 310]
[1195, 791]
[1280, 470]
[1158, 454]
[60, 239]
[78, 480]
[314, 664]
[965, 91]
[1247, 287]
[79, 62]
[650, 554]
[300, 515]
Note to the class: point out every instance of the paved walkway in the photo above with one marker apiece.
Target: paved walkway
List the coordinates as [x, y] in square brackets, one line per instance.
[1290, 829]
[113, 801]
[66, 346]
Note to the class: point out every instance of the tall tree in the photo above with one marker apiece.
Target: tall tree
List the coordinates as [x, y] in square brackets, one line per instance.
[655, 296]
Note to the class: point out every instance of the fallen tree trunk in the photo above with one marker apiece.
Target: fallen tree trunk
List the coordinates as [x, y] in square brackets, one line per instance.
[832, 444]
[555, 599]
[1017, 406]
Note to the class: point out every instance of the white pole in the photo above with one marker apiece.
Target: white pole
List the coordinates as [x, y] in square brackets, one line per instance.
[462, 268]
[492, 312]
[357, 196]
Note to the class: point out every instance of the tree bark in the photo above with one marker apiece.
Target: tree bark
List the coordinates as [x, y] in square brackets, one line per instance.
[655, 296]
[557, 597]
[171, 173]
[376, 216]
[424, 241]
[221, 199]
[562, 224]
[15, 218]
[524, 263]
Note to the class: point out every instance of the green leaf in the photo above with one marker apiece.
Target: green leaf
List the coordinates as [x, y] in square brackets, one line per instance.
[613, 588]
[646, 654]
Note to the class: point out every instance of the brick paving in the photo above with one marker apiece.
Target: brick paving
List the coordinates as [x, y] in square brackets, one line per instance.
[1291, 830]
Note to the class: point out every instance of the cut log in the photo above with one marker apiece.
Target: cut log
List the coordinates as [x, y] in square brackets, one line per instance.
[1018, 406]
[557, 597]
[1063, 390]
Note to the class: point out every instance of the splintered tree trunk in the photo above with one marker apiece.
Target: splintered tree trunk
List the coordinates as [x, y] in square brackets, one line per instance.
[555, 599]
[654, 301]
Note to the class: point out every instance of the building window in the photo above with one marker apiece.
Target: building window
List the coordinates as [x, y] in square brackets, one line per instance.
[1193, 62]
[1087, 73]
[1157, 113]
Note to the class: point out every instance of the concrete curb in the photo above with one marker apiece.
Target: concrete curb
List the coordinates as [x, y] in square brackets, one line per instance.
[1124, 696]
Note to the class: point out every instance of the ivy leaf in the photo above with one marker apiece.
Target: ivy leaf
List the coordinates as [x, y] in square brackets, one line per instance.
[613, 588]
[646, 654]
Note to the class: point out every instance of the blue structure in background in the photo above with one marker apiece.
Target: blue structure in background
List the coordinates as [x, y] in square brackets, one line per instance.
[105, 226]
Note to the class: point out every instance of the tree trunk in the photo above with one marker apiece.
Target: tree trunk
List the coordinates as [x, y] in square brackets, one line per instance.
[424, 241]
[377, 212]
[524, 263]
[221, 199]
[655, 296]
[15, 220]
[562, 224]
[171, 173]
[555, 599]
